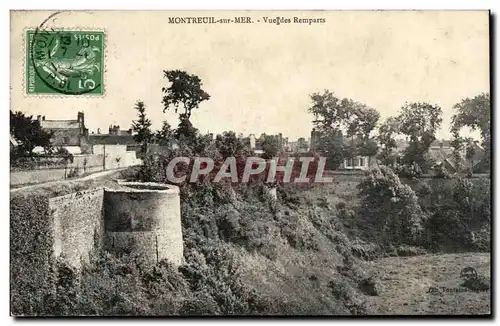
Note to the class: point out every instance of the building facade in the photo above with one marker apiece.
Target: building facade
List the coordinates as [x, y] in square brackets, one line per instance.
[67, 133]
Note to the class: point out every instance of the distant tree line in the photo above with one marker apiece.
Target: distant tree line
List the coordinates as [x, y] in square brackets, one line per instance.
[346, 127]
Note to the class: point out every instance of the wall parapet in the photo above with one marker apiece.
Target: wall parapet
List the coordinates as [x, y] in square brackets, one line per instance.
[135, 218]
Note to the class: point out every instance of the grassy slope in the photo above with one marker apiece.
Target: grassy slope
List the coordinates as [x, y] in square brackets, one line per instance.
[305, 274]
[405, 282]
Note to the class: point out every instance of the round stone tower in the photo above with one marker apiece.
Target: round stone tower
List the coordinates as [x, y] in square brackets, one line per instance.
[144, 219]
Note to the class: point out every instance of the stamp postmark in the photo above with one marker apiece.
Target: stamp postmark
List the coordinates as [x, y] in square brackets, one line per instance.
[65, 62]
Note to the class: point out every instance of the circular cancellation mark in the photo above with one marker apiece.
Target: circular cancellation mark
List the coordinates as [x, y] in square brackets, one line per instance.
[66, 62]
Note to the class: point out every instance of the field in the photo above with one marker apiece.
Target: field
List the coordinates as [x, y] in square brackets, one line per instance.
[405, 284]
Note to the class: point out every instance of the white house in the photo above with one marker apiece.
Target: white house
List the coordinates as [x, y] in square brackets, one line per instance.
[356, 163]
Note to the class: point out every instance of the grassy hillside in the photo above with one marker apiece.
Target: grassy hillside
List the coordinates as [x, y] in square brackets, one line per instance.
[407, 285]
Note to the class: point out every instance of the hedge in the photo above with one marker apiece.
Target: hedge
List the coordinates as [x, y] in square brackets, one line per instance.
[31, 265]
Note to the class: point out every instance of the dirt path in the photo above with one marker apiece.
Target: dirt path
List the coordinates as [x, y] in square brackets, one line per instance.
[405, 284]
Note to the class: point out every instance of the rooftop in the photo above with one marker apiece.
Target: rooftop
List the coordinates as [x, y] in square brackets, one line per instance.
[107, 139]
[60, 124]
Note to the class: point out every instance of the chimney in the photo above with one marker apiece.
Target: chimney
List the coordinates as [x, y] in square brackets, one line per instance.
[43, 118]
[39, 117]
[441, 144]
[252, 141]
[130, 131]
[98, 131]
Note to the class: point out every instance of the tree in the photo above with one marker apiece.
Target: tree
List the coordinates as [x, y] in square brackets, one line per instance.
[28, 133]
[186, 133]
[474, 113]
[67, 158]
[334, 117]
[470, 151]
[457, 144]
[228, 144]
[270, 144]
[386, 134]
[332, 144]
[419, 121]
[185, 89]
[390, 207]
[368, 148]
[165, 135]
[142, 126]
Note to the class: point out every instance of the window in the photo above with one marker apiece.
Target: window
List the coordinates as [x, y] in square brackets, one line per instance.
[361, 161]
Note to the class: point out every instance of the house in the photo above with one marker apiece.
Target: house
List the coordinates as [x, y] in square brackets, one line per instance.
[116, 139]
[70, 134]
[356, 163]
[470, 157]
[116, 131]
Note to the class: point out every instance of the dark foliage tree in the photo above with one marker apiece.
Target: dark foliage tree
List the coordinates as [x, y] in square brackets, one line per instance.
[228, 144]
[186, 133]
[368, 148]
[419, 121]
[470, 151]
[386, 137]
[474, 113]
[142, 126]
[332, 144]
[28, 133]
[185, 93]
[184, 89]
[336, 118]
[271, 145]
[165, 135]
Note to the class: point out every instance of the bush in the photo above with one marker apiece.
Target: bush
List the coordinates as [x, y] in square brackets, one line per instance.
[73, 173]
[217, 275]
[408, 171]
[459, 215]
[391, 208]
[441, 172]
[31, 266]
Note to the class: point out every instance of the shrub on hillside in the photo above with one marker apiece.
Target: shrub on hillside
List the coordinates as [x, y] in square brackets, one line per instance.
[31, 265]
[390, 207]
[459, 214]
[209, 283]
[217, 274]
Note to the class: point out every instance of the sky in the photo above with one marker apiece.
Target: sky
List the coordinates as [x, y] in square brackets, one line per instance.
[260, 75]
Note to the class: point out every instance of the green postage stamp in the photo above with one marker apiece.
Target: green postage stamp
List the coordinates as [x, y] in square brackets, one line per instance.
[65, 62]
